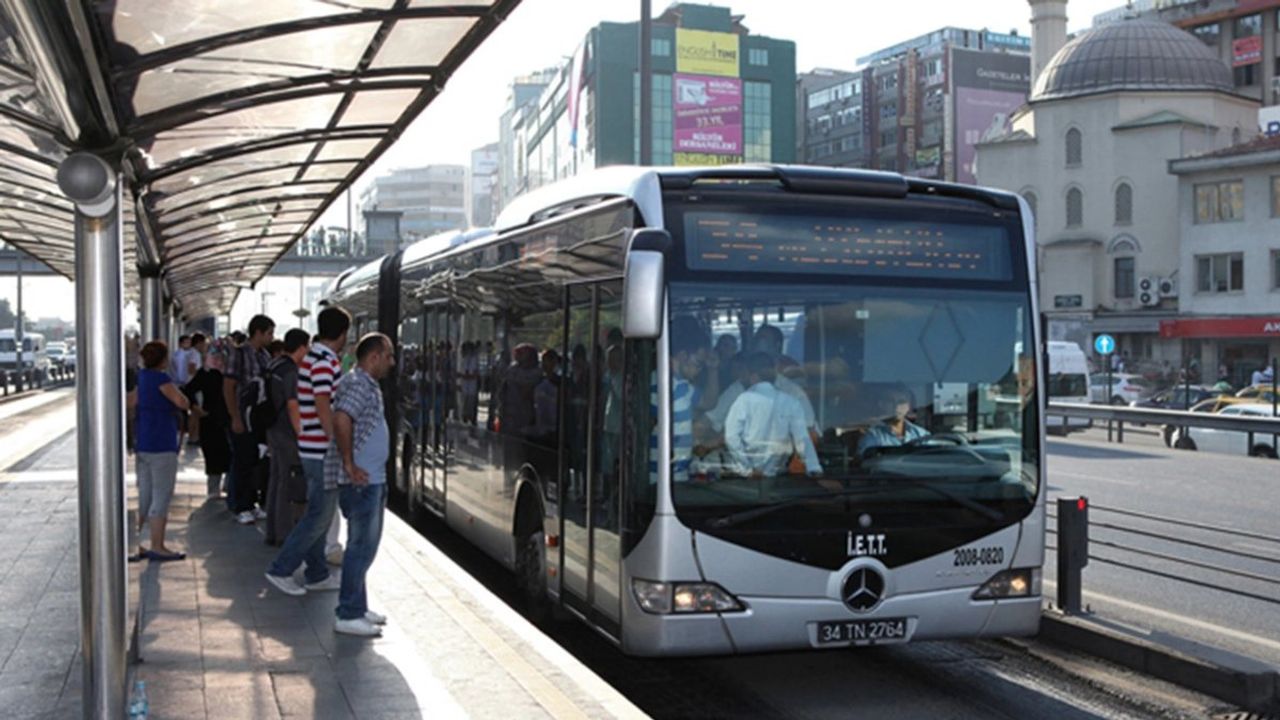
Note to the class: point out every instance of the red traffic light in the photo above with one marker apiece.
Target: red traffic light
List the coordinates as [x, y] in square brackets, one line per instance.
[1081, 504]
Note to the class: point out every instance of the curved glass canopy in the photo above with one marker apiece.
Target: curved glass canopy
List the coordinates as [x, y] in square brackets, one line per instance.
[235, 122]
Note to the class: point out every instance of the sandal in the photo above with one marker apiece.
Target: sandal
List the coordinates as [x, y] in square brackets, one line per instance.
[165, 557]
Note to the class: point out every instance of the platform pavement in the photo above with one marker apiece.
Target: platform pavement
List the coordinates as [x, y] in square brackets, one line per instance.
[217, 642]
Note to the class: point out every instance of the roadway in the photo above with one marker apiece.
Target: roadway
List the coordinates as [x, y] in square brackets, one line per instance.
[1222, 491]
[985, 679]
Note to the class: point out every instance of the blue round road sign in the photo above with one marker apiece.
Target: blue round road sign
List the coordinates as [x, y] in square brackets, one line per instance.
[1104, 344]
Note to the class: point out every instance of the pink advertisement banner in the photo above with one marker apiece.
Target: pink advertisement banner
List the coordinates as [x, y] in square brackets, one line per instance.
[708, 114]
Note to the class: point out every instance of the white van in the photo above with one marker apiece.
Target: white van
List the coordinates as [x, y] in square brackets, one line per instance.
[1068, 382]
[33, 351]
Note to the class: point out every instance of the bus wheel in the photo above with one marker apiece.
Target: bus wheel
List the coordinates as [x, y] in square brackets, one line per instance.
[531, 566]
[1263, 451]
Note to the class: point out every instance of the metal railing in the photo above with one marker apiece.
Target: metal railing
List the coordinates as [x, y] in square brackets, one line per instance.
[1218, 566]
[1116, 416]
[16, 381]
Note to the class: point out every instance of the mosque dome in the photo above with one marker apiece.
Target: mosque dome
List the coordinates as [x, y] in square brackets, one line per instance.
[1132, 55]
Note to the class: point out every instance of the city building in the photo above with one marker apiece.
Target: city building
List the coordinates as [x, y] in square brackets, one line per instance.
[430, 199]
[525, 90]
[1242, 33]
[482, 185]
[1089, 153]
[720, 95]
[1229, 217]
[917, 107]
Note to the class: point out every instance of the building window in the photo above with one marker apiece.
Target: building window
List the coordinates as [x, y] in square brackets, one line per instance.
[757, 56]
[1074, 147]
[757, 121]
[662, 118]
[1219, 202]
[1075, 208]
[1032, 200]
[889, 138]
[1245, 75]
[661, 47]
[1124, 278]
[1275, 196]
[1248, 26]
[1208, 34]
[1124, 204]
[1220, 273]
[1275, 269]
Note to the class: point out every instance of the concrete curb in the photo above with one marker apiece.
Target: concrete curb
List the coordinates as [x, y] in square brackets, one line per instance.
[1236, 679]
[54, 385]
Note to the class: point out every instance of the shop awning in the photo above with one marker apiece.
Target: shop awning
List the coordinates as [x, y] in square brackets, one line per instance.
[236, 122]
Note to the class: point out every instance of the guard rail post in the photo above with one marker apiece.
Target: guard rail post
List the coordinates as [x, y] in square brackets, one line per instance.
[4, 382]
[1073, 551]
[17, 380]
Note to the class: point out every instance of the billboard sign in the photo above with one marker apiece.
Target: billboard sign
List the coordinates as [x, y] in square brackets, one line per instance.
[1246, 51]
[699, 52]
[708, 115]
[987, 88]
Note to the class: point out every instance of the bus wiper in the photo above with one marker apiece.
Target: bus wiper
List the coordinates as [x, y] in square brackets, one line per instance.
[896, 482]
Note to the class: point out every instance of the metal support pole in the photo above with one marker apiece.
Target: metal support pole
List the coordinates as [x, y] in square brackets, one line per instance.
[646, 84]
[1073, 551]
[95, 188]
[150, 286]
[19, 329]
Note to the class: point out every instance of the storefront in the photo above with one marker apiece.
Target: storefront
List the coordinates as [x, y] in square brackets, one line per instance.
[1238, 345]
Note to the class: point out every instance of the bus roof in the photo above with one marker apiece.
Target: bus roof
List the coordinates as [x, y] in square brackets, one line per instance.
[644, 185]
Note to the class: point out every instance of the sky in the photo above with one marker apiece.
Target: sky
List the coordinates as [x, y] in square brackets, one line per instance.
[544, 33]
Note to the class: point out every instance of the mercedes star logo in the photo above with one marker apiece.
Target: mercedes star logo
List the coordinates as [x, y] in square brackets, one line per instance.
[863, 589]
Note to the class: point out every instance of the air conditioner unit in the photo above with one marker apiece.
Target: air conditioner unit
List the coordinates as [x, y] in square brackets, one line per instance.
[1148, 291]
[1168, 287]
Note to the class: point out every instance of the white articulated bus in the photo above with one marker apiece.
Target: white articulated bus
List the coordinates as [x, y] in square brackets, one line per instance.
[734, 409]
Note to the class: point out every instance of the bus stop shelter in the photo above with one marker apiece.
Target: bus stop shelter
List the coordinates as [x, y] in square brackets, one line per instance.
[189, 145]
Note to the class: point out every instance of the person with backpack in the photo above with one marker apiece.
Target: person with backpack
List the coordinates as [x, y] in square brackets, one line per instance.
[286, 490]
[244, 388]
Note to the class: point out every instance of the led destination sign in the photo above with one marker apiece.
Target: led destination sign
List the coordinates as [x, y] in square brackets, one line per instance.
[807, 244]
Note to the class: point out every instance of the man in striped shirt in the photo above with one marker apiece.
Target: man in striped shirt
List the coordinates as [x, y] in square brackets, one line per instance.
[317, 376]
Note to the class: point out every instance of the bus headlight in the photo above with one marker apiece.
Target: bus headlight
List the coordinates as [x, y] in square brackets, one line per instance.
[1022, 582]
[663, 598]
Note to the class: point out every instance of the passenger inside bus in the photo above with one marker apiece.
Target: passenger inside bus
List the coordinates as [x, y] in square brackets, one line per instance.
[766, 426]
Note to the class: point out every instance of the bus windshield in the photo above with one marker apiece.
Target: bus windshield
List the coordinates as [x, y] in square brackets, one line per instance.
[822, 400]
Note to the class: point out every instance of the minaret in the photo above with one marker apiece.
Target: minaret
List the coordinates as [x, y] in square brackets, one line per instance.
[1048, 33]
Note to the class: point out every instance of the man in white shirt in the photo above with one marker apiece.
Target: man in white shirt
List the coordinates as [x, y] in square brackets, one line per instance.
[769, 340]
[766, 426]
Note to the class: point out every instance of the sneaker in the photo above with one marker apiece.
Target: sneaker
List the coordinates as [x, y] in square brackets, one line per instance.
[375, 618]
[356, 626]
[260, 514]
[286, 585]
[246, 518]
[333, 582]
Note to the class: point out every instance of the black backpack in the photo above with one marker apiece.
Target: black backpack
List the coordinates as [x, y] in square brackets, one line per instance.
[255, 402]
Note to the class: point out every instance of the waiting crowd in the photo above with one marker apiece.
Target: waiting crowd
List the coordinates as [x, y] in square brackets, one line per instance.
[291, 431]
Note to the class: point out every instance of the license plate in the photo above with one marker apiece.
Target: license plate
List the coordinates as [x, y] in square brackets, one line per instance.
[862, 632]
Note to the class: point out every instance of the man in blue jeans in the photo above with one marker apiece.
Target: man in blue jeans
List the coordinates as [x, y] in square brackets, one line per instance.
[357, 463]
[318, 372]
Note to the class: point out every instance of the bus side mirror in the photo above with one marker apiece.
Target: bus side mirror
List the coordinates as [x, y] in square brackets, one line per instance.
[642, 285]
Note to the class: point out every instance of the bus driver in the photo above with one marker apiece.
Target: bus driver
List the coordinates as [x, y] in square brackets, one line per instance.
[895, 430]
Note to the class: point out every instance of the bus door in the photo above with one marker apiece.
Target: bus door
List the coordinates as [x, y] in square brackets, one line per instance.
[591, 431]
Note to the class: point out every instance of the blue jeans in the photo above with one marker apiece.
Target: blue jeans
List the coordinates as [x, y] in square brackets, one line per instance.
[363, 507]
[306, 541]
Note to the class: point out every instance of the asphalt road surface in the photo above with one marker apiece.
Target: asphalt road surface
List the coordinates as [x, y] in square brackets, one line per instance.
[1227, 493]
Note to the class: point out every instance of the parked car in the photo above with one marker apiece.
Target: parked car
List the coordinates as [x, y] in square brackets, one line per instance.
[1229, 441]
[1209, 405]
[1180, 397]
[1125, 388]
